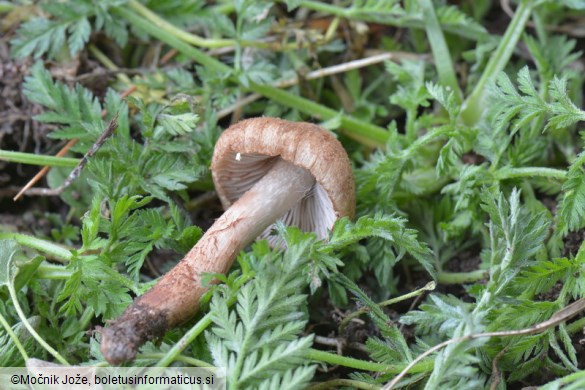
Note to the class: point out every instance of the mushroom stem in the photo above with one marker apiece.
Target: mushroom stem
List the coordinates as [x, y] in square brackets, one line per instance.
[175, 298]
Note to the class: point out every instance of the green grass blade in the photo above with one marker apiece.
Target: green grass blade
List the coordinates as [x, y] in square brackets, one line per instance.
[474, 106]
[440, 49]
[38, 159]
[362, 131]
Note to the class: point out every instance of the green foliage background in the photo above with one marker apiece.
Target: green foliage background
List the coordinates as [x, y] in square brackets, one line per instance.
[465, 143]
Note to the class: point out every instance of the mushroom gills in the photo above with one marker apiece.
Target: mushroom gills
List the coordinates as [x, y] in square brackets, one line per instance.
[279, 192]
[312, 214]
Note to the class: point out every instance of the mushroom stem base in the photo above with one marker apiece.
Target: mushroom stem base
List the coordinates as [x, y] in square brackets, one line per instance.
[175, 298]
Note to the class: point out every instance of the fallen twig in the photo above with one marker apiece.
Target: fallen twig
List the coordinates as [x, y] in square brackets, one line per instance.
[61, 153]
[77, 171]
[44, 171]
[319, 73]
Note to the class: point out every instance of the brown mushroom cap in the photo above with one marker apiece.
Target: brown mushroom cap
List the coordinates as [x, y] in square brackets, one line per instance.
[246, 151]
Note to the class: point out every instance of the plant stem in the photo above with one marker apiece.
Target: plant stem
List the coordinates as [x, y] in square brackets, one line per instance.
[195, 331]
[396, 56]
[474, 106]
[109, 64]
[162, 24]
[440, 49]
[576, 379]
[540, 28]
[461, 277]
[187, 339]
[13, 336]
[361, 130]
[331, 358]
[86, 318]
[38, 159]
[512, 173]
[180, 358]
[576, 326]
[386, 18]
[30, 329]
[411, 133]
[174, 353]
[172, 40]
[428, 287]
[52, 271]
[226, 8]
[366, 133]
[326, 8]
[336, 383]
[327, 357]
[423, 140]
[195, 40]
[38, 244]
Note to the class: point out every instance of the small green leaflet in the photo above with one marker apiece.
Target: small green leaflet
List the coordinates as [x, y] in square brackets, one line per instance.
[14, 268]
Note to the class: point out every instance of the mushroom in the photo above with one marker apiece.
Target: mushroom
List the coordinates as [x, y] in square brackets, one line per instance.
[264, 169]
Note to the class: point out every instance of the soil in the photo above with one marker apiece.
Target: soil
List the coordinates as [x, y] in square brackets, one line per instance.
[573, 242]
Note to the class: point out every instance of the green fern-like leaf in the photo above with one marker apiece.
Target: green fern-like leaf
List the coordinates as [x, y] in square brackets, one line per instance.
[516, 235]
[563, 111]
[289, 380]
[382, 175]
[453, 18]
[390, 228]
[525, 104]
[553, 56]
[97, 285]
[411, 92]
[259, 341]
[445, 97]
[39, 36]
[543, 275]
[443, 314]
[393, 348]
[455, 366]
[571, 214]
[9, 353]
[70, 24]
[77, 109]
[511, 104]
